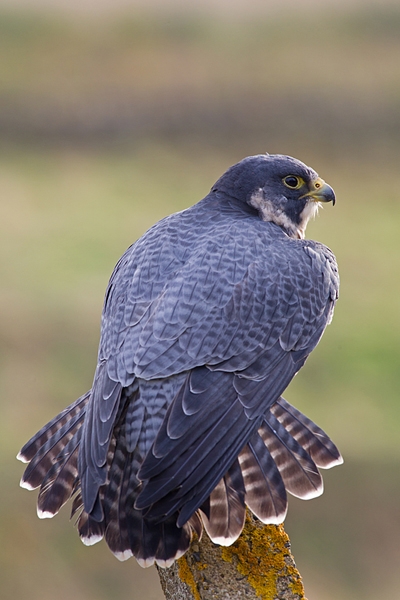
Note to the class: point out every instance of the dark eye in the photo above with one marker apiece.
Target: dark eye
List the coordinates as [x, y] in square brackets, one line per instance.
[293, 182]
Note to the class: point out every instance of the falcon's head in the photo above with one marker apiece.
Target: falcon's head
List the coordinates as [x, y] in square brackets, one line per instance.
[281, 188]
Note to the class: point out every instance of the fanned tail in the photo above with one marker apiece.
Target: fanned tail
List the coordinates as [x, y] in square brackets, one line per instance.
[282, 456]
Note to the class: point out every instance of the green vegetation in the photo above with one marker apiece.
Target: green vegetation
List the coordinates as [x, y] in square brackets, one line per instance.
[108, 127]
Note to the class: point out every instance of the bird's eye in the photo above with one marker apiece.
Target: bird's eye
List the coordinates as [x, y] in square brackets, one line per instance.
[293, 182]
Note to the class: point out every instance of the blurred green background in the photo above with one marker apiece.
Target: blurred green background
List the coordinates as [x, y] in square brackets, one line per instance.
[113, 115]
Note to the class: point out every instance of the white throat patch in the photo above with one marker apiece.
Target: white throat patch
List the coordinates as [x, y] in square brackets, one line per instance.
[271, 212]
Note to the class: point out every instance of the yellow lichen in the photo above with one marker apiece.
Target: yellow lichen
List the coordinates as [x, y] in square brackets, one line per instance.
[186, 575]
[262, 555]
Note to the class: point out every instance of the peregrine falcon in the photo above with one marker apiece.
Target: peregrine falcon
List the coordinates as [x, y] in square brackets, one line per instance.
[206, 320]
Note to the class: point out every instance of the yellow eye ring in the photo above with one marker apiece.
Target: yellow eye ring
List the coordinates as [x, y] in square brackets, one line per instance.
[293, 182]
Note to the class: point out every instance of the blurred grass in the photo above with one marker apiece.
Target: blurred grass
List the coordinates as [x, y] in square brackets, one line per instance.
[305, 77]
[144, 53]
[105, 129]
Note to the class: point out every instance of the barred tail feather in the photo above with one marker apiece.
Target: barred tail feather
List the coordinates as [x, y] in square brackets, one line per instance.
[90, 530]
[58, 485]
[265, 491]
[115, 502]
[298, 471]
[52, 428]
[49, 452]
[310, 437]
[224, 514]
[161, 543]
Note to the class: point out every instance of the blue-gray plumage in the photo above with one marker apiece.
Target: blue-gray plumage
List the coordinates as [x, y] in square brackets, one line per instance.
[206, 320]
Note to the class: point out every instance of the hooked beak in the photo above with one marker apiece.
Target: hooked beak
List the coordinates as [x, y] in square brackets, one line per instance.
[321, 192]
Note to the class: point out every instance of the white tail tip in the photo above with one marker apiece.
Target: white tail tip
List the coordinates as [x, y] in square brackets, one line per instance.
[22, 458]
[123, 555]
[92, 540]
[145, 562]
[26, 485]
[45, 514]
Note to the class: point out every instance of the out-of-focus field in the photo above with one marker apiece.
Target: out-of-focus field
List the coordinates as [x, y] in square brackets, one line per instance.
[108, 126]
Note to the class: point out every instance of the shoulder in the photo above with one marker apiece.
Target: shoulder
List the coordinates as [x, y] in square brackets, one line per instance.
[323, 262]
